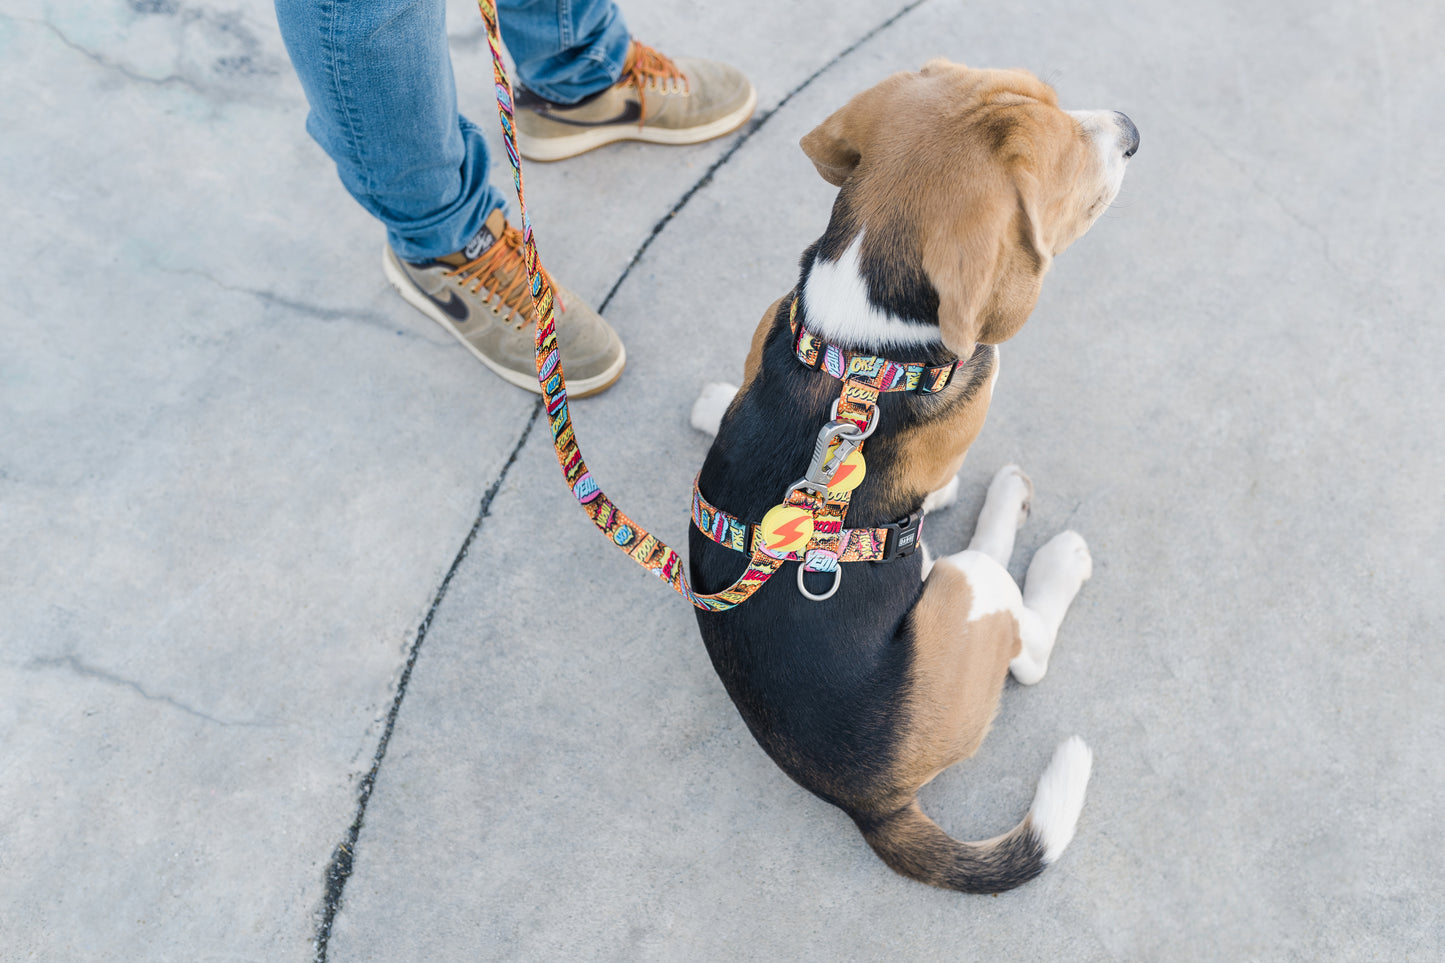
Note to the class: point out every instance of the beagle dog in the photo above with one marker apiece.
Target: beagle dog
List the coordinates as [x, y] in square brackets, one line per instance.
[957, 187]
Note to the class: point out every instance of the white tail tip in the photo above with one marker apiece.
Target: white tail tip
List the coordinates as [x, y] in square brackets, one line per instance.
[1060, 796]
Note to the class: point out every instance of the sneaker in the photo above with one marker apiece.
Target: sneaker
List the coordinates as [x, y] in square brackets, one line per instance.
[480, 295]
[657, 100]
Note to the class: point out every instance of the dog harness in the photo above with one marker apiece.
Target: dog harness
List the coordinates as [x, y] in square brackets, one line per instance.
[808, 525]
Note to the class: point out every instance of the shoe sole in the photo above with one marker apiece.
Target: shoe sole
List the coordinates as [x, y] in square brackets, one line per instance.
[547, 149]
[581, 388]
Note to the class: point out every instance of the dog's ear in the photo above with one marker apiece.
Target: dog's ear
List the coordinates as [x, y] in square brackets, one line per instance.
[989, 267]
[833, 145]
[838, 144]
[1024, 259]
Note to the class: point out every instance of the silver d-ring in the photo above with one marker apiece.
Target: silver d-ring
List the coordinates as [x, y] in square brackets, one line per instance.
[872, 419]
[837, 580]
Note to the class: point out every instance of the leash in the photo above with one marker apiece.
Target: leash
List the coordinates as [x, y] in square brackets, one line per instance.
[641, 546]
[807, 525]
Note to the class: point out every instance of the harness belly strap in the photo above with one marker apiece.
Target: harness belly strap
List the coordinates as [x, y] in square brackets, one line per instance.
[880, 544]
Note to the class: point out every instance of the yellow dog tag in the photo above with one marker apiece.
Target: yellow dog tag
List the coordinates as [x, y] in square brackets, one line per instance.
[787, 528]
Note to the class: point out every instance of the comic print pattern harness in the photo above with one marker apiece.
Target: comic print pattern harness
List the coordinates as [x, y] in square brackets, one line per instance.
[836, 469]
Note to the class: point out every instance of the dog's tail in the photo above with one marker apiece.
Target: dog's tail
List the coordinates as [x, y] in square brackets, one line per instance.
[912, 844]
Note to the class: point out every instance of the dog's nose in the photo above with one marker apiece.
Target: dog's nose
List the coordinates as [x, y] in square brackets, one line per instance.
[1128, 133]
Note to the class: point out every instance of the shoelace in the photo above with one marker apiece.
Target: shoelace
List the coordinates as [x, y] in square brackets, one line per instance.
[646, 68]
[500, 272]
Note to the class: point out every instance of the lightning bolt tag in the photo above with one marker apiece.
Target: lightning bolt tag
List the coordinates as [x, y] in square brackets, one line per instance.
[786, 529]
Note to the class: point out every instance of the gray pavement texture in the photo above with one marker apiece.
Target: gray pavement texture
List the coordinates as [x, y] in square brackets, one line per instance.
[272, 546]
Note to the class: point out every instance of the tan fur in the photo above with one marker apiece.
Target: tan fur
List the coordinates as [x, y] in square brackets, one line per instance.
[933, 452]
[957, 679]
[755, 351]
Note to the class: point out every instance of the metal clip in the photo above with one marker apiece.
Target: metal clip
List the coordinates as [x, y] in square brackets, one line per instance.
[822, 468]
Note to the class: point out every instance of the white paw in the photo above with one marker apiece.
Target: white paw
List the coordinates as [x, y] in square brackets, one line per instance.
[1064, 558]
[1010, 486]
[1027, 671]
[711, 405]
[943, 498]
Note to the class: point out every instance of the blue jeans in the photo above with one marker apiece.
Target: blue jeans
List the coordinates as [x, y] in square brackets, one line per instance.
[378, 76]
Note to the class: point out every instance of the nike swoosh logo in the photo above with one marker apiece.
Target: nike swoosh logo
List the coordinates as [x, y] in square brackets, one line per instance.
[631, 114]
[453, 305]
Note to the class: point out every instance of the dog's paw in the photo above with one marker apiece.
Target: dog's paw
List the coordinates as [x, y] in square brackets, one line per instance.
[711, 405]
[1010, 486]
[1064, 558]
[1056, 573]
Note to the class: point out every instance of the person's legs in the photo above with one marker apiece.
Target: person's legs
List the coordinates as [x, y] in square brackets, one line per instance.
[379, 80]
[565, 50]
[383, 101]
[584, 82]
[384, 106]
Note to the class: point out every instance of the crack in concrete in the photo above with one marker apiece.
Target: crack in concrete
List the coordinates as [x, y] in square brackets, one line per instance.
[338, 870]
[370, 318]
[85, 670]
[242, 55]
[321, 313]
[103, 61]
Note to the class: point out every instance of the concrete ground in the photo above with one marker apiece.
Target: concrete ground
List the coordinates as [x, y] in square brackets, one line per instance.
[305, 650]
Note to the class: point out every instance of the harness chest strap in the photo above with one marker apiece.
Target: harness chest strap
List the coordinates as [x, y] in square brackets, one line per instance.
[857, 405]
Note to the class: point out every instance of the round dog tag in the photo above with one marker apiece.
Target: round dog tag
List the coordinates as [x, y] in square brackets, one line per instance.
[787, 528]
[849, 474]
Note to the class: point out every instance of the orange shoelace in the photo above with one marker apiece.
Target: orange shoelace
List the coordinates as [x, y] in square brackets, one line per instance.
[646, 68]
[500, 272]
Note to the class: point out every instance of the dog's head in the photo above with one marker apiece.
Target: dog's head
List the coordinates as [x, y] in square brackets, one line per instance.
[958, 187]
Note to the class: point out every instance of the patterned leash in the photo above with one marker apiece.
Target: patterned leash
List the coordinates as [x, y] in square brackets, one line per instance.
[641, 546]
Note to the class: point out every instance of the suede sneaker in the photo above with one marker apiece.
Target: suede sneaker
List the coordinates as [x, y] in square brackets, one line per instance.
[480, 295]
[658, 100]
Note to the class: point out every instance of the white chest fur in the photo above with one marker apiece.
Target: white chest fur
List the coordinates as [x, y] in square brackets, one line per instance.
[839, 310]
